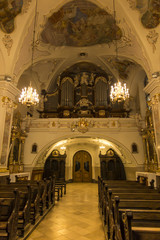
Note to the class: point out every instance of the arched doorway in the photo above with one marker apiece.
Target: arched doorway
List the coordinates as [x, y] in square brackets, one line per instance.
[82, 167]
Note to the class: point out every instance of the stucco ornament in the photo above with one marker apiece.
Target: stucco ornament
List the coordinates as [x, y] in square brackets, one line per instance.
[152, 38]
[81, 125]
[26, 4]
[8, 42]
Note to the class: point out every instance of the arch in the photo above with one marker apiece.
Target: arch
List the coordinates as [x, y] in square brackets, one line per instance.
[127, 158]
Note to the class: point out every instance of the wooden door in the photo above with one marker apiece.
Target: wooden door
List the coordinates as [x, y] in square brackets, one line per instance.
[82, 167]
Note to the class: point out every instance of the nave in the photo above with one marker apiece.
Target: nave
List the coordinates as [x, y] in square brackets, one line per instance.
[75, 216]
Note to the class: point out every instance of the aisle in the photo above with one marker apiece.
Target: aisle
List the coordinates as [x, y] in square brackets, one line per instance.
[75, 216]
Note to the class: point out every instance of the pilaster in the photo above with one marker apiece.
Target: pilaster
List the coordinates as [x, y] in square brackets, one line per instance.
[153, 88]
[8, 98]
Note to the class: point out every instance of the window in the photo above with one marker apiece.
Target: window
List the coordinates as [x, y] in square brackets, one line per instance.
[134, 148]
[34, 148]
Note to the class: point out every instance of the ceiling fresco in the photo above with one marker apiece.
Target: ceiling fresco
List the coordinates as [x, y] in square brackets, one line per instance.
[9, 9]
[122, 66]
[150, 12]
[80, 24]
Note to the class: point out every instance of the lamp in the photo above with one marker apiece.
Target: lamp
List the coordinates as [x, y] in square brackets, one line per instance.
[118, 92]
[29, 96]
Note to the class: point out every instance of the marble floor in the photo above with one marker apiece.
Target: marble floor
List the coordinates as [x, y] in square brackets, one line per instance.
[75, 216]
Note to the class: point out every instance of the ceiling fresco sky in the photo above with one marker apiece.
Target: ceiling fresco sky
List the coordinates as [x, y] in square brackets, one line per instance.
[8, 11]
[80, 24]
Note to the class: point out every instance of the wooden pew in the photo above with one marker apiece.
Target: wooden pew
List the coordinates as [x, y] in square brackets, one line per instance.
[35, 198]
[43, 201]
[24, 205]
[124, 189]
[9, 207]
[61, 183]
[135, 224]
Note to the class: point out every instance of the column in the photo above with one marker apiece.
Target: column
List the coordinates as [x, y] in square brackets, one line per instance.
[153, 88]
[8, 95]
[21, 164]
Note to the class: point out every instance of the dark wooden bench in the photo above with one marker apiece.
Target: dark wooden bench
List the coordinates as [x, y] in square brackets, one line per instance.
[136, 224]
[9, 207]
[61, 183]
[35, 197]
[42, 192]
[24, 205]
[133, 196]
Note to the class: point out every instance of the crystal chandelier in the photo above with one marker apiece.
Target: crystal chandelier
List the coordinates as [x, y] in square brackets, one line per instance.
[118, 92]
[29, 96]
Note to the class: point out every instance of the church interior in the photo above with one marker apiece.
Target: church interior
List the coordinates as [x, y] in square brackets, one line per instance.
[80, 97]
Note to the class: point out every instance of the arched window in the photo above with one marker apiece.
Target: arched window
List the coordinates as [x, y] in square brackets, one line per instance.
[34, 148]
[134, 148]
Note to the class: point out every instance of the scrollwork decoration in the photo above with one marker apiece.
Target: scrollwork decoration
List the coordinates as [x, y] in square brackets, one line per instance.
[152, 38]
[8, 42]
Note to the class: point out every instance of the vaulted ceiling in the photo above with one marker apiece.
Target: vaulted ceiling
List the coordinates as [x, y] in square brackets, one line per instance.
[79, 31]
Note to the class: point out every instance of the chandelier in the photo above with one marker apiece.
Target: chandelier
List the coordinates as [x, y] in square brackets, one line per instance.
[118, 91]
[29, 96]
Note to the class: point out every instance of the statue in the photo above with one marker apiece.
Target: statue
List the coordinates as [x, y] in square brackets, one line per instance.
[84, 78]
[76, 80]
[91, 81]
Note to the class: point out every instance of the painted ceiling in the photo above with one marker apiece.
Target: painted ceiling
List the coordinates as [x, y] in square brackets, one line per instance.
[120, 65]
[8, 11]
[150, 10]
[80, 24]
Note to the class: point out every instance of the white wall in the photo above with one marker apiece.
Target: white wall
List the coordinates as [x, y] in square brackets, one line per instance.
[47, 132]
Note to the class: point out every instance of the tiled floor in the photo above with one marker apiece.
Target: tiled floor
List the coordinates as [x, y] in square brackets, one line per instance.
[75, 216]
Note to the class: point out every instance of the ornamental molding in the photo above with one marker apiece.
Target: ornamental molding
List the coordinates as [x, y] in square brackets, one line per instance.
[8, 42]
[8, 103]
[83, 125]
[26, 5]
[7, 89]
[152, 38]
[132, 4]
[153, 87]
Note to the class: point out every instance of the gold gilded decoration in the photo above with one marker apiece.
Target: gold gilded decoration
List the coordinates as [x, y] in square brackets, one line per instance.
[81, 125]
[67, 79]
[148, 136]
[6, 101]
[55, 153]
[66, 113]
[152, 38]
[8, 42]
[110, 153]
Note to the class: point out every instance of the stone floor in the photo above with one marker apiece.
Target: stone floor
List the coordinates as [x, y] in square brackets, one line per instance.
[75, 216]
